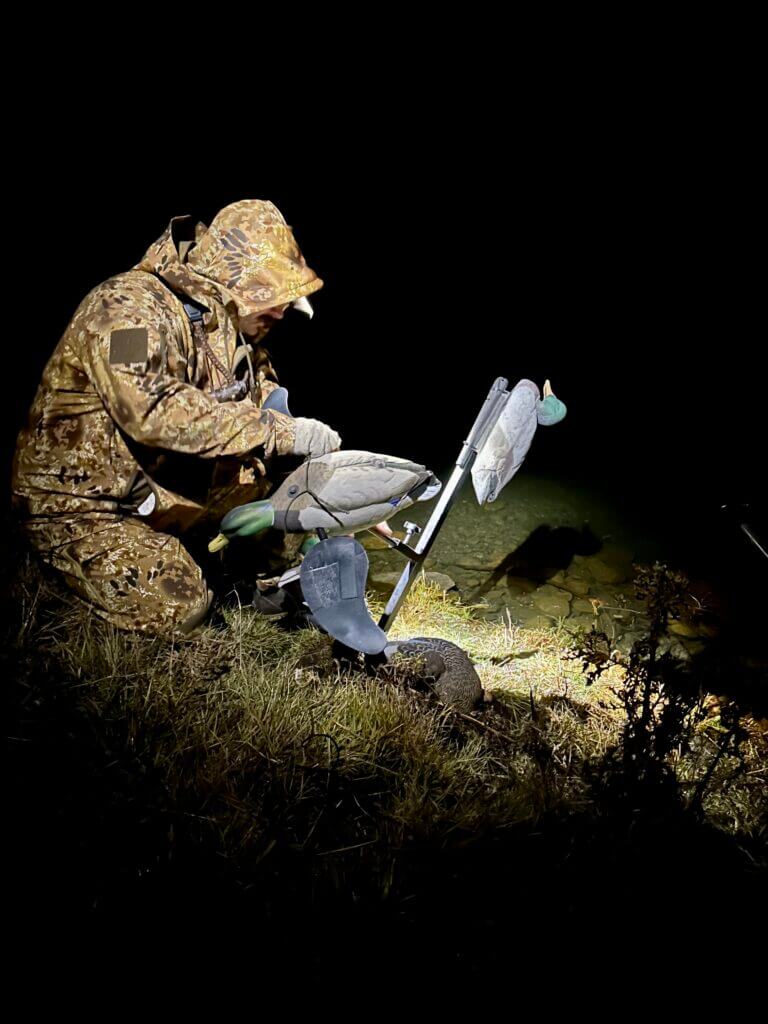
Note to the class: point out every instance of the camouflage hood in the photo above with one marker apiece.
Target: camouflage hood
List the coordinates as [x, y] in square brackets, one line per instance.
[247, 260]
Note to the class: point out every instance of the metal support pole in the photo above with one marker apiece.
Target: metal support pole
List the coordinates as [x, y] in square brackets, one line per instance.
[484, 423]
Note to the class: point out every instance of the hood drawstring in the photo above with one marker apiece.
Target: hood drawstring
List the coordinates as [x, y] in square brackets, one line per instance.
[255, 389]
[233, 389]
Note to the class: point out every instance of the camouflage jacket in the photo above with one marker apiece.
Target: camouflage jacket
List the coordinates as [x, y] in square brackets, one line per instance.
[125, 403]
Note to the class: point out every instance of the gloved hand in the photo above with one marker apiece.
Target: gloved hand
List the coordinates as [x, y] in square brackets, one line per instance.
[306, 436]
[315, 438]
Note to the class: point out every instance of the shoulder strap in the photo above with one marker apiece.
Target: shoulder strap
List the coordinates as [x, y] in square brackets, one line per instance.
[233, 389]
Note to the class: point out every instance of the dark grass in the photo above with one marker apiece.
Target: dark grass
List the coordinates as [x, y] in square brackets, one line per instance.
[242, 782]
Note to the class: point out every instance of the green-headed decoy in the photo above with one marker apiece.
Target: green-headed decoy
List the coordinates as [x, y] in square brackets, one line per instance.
[507, 445]
[341, 492]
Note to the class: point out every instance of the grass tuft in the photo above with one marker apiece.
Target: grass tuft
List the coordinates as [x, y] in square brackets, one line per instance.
[249, 746]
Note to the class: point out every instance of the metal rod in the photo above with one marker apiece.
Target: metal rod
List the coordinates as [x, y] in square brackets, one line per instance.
[481, 428]
[746, 529]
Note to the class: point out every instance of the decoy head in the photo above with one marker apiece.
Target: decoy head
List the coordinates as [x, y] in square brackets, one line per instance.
[244, 521]
[550, 409]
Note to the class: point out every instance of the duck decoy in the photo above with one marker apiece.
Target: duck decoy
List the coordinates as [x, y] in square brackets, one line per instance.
[341, 492]
[336, 494]
[506, 446]
[444, 666]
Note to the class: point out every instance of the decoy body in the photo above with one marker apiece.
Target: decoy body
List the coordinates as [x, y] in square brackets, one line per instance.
[446, 667]
[502, 454]
[341, 492]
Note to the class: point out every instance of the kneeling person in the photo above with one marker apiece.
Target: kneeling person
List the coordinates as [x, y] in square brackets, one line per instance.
[148, 424]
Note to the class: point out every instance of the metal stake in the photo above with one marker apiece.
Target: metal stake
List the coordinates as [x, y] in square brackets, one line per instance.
[481, 428]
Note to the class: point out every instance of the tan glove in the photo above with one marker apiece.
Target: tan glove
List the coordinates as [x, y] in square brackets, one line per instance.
[302, 436]
[314, 438]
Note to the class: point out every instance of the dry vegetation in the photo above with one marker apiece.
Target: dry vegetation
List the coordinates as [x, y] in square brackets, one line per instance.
[249, 754]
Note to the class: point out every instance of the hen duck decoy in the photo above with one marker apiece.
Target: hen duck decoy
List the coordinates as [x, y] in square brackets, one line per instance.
[446, 668]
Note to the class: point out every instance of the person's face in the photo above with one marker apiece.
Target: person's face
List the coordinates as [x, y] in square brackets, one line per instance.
[257, 324]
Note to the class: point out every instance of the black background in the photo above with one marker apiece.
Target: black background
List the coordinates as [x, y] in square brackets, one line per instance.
[600, 228]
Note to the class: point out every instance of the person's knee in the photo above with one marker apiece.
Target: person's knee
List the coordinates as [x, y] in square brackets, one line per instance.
[198, 615]
[157, 614]
[137, 579]
[183, 595]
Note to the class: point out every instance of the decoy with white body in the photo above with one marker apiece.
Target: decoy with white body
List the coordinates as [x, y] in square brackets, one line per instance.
[507, 445]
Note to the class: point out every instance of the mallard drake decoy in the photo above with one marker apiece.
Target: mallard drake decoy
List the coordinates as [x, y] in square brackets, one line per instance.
[507, 445]
[341, 492]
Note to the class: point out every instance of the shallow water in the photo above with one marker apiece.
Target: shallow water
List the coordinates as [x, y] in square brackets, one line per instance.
[549, 551]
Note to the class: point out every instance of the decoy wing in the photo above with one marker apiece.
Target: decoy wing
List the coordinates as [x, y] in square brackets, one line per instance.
[360, 479]
[503, 453]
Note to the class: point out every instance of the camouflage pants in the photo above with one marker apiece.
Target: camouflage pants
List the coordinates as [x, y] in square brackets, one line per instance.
[130, 574]
[140, 578]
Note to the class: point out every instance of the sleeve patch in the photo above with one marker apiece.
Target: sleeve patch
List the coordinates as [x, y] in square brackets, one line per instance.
[130, 345]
